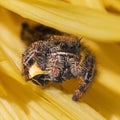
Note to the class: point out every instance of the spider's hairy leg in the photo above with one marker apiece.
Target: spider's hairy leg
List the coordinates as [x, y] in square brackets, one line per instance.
[26, 64]
[87, 73]
[55, 66]
[28, 58]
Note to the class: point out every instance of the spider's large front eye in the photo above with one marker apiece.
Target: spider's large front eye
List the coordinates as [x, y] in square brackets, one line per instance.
[63, 45]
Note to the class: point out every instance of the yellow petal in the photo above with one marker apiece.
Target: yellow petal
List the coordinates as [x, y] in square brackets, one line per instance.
[90, 23]
[112, 5]
[94, 4]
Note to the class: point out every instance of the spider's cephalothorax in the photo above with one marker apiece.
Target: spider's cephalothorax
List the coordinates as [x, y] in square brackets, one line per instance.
[59, 57]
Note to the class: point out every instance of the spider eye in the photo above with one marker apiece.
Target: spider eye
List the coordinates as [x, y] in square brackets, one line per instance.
[63, 45]
[56, 42]
[72, 46]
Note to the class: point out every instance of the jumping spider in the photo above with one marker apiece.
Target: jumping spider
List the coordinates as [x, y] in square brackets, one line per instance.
[58, 55]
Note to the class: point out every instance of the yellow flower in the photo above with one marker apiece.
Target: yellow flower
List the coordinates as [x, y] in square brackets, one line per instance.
[98, 21]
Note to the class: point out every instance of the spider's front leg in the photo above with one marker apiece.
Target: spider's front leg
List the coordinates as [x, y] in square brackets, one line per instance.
[55, 67]
[86, 71]
[27, 61]
[29, 57]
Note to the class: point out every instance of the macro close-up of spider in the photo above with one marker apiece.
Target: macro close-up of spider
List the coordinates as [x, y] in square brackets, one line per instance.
[59, 60]
[57, 56]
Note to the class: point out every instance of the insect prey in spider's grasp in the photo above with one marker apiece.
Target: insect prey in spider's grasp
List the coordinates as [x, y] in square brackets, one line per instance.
[56, 56]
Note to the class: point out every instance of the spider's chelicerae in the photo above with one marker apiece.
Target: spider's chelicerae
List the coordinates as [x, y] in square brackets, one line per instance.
[58, 57]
